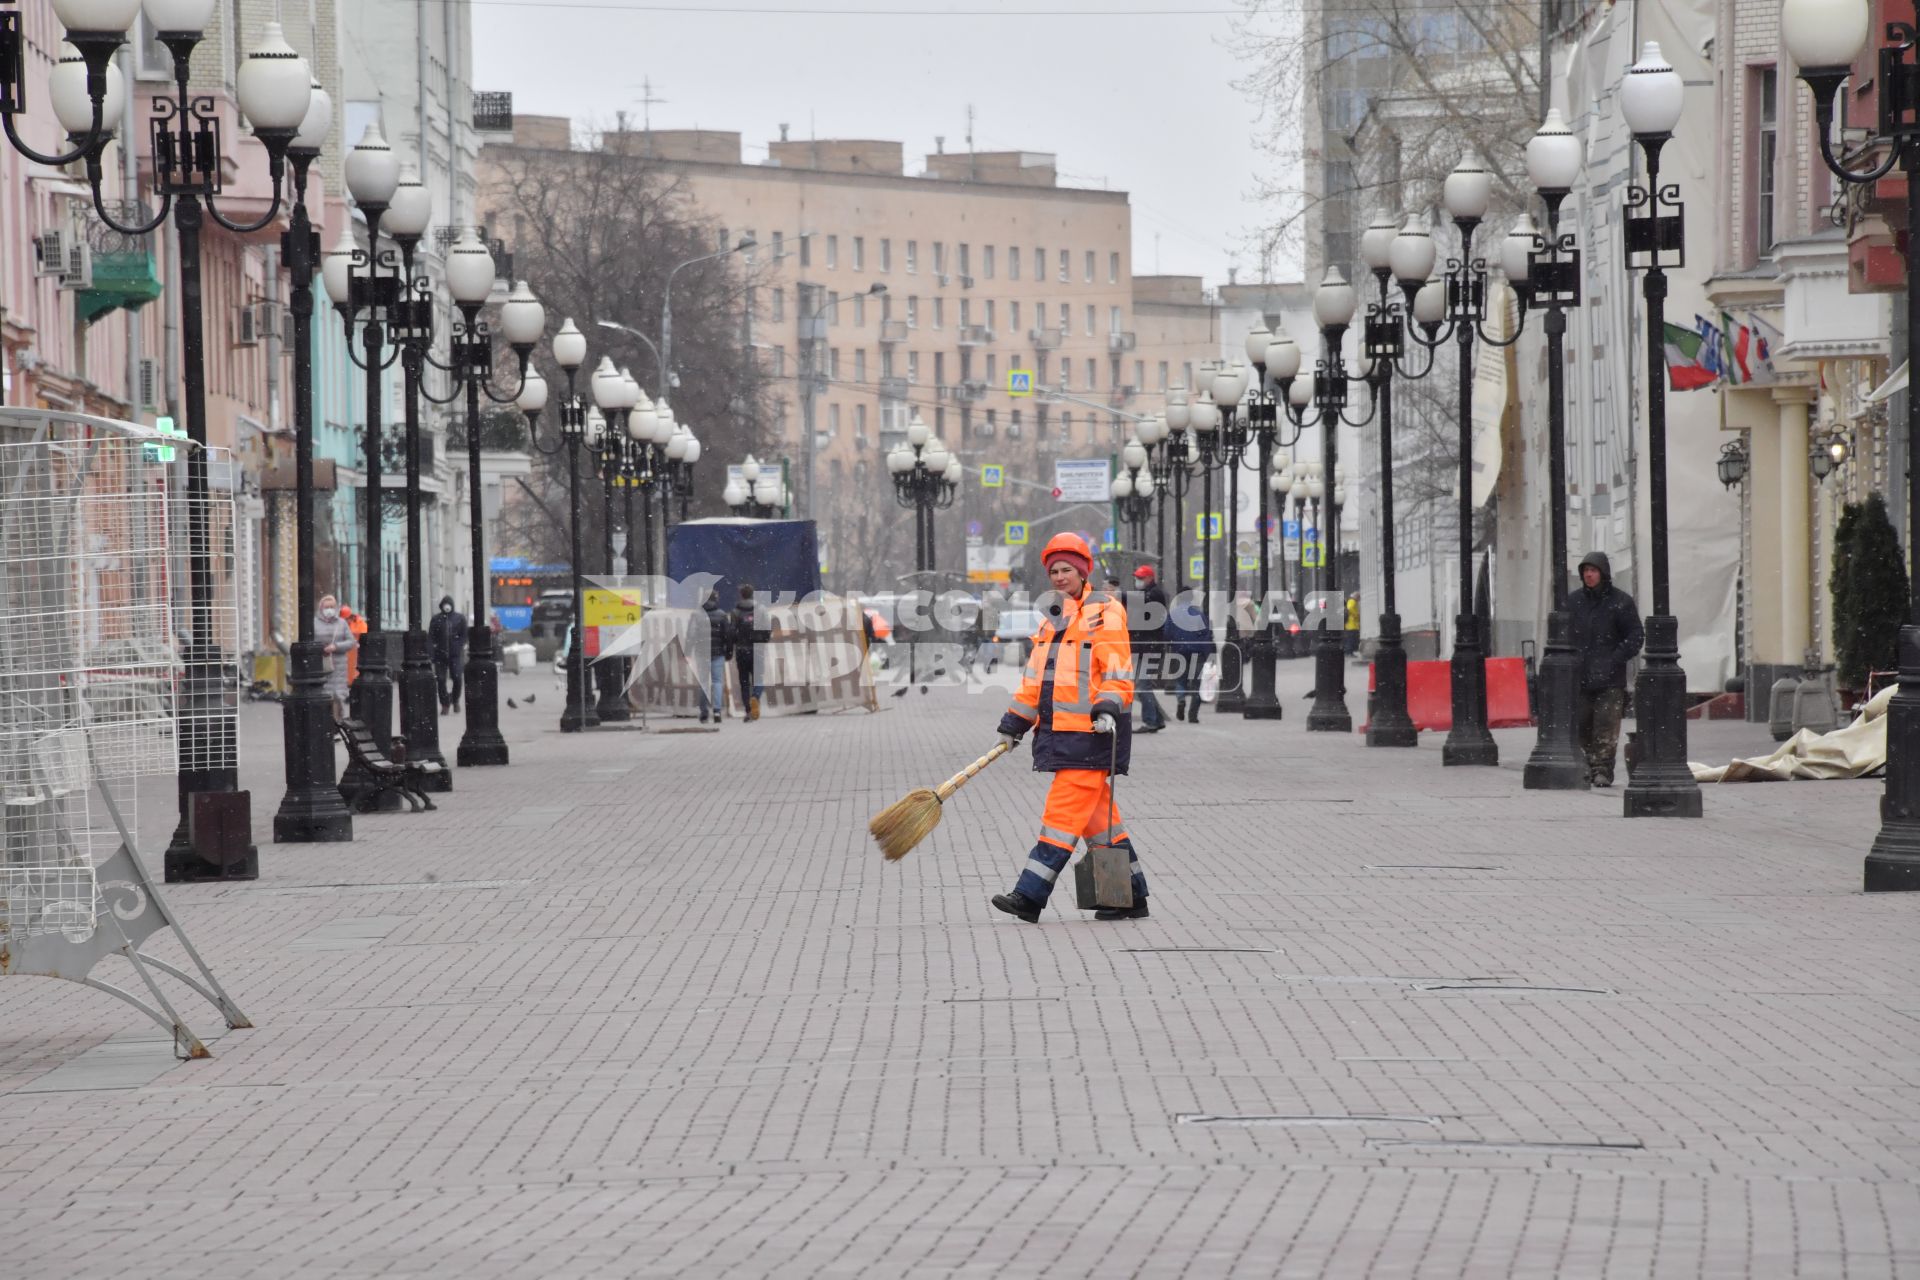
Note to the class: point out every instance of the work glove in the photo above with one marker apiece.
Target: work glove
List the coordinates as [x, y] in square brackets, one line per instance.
[1011, 739]
[1103, 721]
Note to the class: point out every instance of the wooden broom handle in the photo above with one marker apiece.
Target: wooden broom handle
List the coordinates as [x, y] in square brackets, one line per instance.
[958, 780]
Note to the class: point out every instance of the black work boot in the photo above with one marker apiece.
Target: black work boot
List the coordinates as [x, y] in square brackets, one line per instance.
[1138, 911]
[1018, 904]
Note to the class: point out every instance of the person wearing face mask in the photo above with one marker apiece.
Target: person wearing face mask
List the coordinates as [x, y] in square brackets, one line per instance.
[447, 633]
[336, 640]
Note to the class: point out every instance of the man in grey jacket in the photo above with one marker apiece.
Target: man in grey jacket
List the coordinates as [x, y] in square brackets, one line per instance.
[336, 640]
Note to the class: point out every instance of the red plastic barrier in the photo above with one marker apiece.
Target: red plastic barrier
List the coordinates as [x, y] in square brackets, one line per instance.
[1430, 693]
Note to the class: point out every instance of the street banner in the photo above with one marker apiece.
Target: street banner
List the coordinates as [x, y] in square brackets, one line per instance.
[1082, 480]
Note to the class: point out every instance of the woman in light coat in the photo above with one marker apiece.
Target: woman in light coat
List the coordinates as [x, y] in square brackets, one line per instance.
[337, 640]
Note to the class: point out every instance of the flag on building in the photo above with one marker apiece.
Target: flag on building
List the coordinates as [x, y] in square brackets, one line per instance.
[1749, 350]
[1692, 361]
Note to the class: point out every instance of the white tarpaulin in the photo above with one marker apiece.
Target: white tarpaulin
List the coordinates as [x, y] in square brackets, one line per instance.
[1851, 752]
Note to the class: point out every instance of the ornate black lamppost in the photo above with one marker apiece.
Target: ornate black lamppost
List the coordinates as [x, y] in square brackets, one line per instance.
[1545, 270]
[1333, 307]
[1226, 383]
[1460, 295]
[1825, 38]
[683, 451]
[570, 352]
[1133, 492]
[1662, 784]
[618, 455]
[759, 494]
[926, 478]
[1264, 426]
[275, 90]
[1173, 472]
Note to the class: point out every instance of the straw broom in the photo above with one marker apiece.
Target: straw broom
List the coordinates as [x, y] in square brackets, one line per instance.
[912, 818]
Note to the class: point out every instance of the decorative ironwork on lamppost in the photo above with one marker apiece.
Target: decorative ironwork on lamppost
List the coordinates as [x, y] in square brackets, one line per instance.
[1328, 394]
[1826, 38]
[368, 287]
[1203, 419]
[570, 352]
[683, 451]
[312, 810]
[1661, 785]
[1174, 468]
[1544, 269]
[1132, 492]
[617, 457]
[1225, 386]
[274, 87]
[926, 478]
[1460, 296]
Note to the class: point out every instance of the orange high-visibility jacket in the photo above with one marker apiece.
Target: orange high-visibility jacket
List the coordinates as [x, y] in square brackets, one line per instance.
[1078, 661]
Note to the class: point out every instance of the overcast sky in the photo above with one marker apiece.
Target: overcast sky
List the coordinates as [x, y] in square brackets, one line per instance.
[1134, 95]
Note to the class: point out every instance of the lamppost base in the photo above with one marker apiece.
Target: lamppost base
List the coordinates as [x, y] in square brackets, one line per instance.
[482, 746]
[372, 705]
[1661, 785]
[420, 709]
[612, 705]
[578, 713]
[312, 811]
[1262, 703]
[1388, 724]
[1557, 762]
[1232, 699]
[1329, 714]
[208, 753]
[1469, 742]
[1893, 865]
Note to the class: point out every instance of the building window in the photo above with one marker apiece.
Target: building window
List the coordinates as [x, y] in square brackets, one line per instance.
[833, 252]
[913, 257]
[1039, 264]
[986, 262]
[779, 304]
[886, 255]
[913, 366]
[1013, 316]
[779, 362]
[1039, 315]
[913, 311]
[993, 421]
[859, 364]
[939, 313]
[1186, 371]
[1139, 374]
[1013, 262]
[1089, 267]
[833, 421]
[806, 248]
[966, 261]
[1066, 427]
[833, 306]
[966, 309]
[939, 258]
[1090, 313]
[989, 320]
[1013, 423]
[1113, 268]
[1093, 371]
[779, 246]
[993, 369]
[859, 309]
[833, 363]
[886, 362]
[1066, 266]
[939, 422]
[1066, 374]
[859, 253]
[751, 236]
[1766, 151]
[1113, 320]
[939, 368]
[1163, 376]
[860, 420]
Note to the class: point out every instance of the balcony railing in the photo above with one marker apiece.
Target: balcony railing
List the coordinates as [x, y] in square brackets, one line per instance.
[892, 331]
[892, 388]
[975, 335]
[970, 392]
[1046, 339]
[1120, 342]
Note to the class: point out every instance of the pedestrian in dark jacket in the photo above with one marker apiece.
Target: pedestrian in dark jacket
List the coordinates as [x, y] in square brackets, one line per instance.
[447, 634]
[746, 630]
[1189, 639]
[713, 698]
[1146, 631]
[1606, 635]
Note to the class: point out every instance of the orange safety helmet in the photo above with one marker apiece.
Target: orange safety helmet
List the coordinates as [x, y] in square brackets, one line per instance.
[1069, 546]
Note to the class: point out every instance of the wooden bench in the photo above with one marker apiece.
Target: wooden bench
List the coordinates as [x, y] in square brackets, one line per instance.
[382, 773]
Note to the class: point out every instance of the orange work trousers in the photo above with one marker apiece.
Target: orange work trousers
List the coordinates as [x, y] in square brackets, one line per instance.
[1080, 807]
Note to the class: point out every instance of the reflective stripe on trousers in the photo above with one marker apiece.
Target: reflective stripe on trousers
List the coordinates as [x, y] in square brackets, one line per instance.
[1077, 809]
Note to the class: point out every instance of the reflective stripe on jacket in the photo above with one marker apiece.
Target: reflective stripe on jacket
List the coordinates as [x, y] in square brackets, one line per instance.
[1080, 660]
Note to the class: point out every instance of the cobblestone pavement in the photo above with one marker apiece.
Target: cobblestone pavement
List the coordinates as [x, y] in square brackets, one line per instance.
[648, 1004]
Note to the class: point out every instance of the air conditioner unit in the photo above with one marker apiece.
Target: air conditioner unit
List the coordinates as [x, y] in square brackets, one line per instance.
[246, 327]
[966, 282]
[1013, 431]
[986, 429]
[51, 251]
[943, 280]
[146, 378]
[79, 272]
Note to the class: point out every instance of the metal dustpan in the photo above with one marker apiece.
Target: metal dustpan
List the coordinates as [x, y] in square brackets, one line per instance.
[1103, 878]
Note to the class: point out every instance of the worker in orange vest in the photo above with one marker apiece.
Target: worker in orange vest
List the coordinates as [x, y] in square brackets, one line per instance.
[357, 625]
[1075, 695]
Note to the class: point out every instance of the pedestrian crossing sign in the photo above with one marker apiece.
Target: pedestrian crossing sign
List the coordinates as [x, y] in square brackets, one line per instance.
[1016, 533]
[993, 477]
[1196, 568]
[1206, 525]
[1019, 382]
[163, 452]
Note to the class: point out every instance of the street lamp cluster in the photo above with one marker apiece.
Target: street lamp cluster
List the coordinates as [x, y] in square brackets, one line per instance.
[926, 478]
[760, 492]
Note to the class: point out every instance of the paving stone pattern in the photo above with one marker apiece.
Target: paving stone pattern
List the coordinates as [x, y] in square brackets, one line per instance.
[649, 1004]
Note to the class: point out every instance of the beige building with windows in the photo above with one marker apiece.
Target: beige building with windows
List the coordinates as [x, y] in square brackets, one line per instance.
[987, 265]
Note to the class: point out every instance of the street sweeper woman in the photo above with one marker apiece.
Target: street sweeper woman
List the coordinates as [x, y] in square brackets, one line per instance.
[1075, 696]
